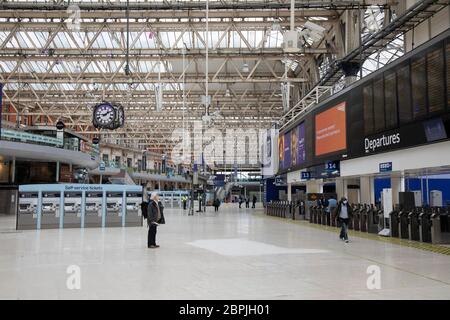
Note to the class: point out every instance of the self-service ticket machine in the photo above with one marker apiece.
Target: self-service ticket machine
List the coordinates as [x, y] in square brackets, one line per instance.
[114, 203]
[133, 213]
[72, 209]
[93, 209]
[27, 211]
[50, 209]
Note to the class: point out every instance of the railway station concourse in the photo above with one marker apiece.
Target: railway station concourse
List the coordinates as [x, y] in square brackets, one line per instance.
[225, 150]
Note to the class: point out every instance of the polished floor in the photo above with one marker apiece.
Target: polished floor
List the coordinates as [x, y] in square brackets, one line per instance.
[235, 254]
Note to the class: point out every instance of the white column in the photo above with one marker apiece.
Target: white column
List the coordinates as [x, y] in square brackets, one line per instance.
[341, 188]
[397, 185]
[367, 188]
[289, 191]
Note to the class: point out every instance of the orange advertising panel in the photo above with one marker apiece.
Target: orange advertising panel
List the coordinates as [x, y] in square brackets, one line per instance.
[330, 130]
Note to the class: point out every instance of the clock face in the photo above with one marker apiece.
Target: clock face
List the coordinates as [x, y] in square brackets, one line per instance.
[104, 114]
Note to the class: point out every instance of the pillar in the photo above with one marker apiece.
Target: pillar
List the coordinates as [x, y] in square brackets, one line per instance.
[289, 191]
[397, 185]
[367, 188]
[341, 188]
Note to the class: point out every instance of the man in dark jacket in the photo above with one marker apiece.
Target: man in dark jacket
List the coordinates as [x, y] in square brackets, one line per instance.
[154, 215]
[254, 201]
[343, 213]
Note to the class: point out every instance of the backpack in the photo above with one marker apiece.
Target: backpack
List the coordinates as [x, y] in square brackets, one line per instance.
[144, 209]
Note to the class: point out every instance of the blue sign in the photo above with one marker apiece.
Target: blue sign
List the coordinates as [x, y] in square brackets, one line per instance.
[101, 167]
[306, 175]
[331, 165]
[386, 167]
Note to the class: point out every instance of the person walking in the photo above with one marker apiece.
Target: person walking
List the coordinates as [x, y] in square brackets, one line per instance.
[216, 205]
[247, 202]
[343, 213]
[254, 202]
[240, 201]
[331, 206]
[184, 201]
[154, 215]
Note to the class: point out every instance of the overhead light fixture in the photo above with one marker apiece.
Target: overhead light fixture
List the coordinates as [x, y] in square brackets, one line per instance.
[227, 93]
[245, 68]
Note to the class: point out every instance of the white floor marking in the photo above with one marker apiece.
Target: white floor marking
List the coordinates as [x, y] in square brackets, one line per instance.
[245, 247]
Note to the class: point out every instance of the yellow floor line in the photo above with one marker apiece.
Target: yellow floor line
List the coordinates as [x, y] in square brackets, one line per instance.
[402, 242]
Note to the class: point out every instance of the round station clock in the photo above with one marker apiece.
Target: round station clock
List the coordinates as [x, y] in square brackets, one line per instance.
[104, 115]
[108, 116]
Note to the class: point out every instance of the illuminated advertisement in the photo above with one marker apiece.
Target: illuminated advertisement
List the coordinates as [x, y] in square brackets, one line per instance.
[331, 130]
[298, 152]
[284, 150]
[281, 151]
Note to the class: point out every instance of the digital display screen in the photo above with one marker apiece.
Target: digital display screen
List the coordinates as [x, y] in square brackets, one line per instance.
[331, 130]
[298, 151]
[435, 130]
[284, 150]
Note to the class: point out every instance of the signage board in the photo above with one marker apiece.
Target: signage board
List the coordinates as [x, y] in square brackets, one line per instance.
[305, 175]
[386, 167]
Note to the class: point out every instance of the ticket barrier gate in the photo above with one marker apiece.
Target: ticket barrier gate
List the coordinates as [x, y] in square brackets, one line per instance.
[372, 220]
[72, 209]
[425, 227]
[440, 228]
[356, 218]
[93, 209]
[311, 214]
[413, 226]
[27, 211]
[381, 220]
[394, 223]
[290, 210]
[319, 215]
[403, 229]
[363, 218]
[114, 204]
[133, 213]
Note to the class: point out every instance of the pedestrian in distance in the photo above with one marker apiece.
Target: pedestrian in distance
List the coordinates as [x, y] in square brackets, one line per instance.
[254, 202]
[154, 215]
[216, 205]
[240, 201]
[343, 214]
[184, 201]
[247, 202]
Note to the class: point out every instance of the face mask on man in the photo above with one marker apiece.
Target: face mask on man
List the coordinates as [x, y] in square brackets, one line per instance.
[344, 202]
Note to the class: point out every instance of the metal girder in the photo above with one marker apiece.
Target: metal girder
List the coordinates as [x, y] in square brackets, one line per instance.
[373, 44]
[192, 5]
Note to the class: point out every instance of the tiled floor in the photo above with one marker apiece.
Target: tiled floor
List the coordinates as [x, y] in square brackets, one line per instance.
[236, 254]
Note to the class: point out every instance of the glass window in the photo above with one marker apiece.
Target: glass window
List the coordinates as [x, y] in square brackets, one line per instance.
[404, 95]
[418, 78]
[105, 158]
[390, 93]
[368, 109]
[378, 104]
[436, 80]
